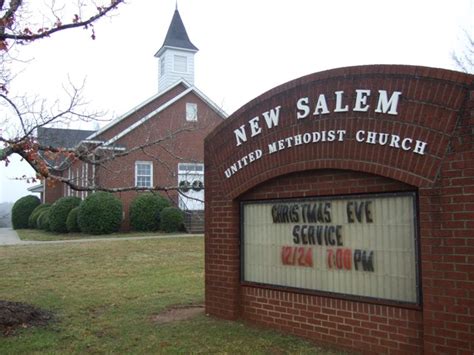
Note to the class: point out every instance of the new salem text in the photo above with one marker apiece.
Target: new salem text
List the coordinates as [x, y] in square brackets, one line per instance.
[304, 109]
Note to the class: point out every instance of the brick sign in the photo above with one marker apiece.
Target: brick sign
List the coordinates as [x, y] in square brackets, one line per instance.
[339, 208]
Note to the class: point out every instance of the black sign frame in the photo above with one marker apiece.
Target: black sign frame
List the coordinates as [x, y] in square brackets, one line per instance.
[413, 194]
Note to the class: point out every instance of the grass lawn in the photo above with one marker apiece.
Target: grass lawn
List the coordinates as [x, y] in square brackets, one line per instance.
[105, 295]
[42, 236]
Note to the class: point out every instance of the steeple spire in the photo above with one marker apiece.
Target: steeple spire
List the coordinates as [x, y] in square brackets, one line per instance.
[177, 36]
[176, 55]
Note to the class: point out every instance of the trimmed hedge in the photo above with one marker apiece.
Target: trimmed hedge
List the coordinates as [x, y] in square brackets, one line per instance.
[172, 219]
[71, 221]
[22, 210]
[100, 213]
[43, 219]
[145, 212]
[33, 219]
[59, 212]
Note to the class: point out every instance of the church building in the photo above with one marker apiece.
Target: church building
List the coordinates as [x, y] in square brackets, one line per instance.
[157, 145]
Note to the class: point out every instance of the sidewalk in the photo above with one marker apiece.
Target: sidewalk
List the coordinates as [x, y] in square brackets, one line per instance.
[9, 237]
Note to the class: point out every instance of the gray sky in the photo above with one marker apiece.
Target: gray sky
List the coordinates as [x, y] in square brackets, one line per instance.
[246, 47]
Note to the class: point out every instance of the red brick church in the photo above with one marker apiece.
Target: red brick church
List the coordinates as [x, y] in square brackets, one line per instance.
[162, 136]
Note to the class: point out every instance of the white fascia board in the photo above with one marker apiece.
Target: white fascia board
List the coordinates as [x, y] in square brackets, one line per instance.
[122, 117]
[147, 117]
[36, 188]
[211, 103]
[91, 141]
[113, 148]
[162, 49]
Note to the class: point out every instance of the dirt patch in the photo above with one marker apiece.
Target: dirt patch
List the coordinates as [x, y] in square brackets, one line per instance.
[16, 315]
[178, 313]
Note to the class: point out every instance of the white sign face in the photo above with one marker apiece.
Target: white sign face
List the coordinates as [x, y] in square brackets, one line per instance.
[353, 245]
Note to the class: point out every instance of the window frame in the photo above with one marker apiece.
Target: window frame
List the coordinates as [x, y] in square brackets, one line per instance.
[182, 168]
[150, 164]
[191, 112]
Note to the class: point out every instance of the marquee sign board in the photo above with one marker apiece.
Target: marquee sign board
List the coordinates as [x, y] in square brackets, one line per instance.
[354, 245]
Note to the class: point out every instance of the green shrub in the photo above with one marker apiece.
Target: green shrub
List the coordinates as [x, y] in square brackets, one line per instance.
[59, 212]
[43, 219]
[33, 219]
[71, 221]
[100, 213]
[145, 212]
[172, 219]
[22, 210]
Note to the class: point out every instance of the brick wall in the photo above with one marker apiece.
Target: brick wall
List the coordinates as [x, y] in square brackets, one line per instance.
[349, 324]
[177, 141]
[447, 231]
[139, 113]
[167, 140]
[436, 107]
[53, 190]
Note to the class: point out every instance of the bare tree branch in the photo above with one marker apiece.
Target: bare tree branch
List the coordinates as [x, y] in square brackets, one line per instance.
[465, 59]
[17, 111]
[68, 164]
[28, 35]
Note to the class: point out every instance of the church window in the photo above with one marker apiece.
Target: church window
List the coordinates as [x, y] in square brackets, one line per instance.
[143, 174]
[191, 111]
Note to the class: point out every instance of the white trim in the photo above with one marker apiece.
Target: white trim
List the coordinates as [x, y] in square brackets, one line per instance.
[136, 108]
[36, 188]
[191, 112]
[93, 175]
[149, 163]
[162, 49]
[167, 104]
[67, 191]
[216, 108]
[91, 141]
[113, 148]
[164, 106]
[183, 171]
[78, 181]
[147, 117]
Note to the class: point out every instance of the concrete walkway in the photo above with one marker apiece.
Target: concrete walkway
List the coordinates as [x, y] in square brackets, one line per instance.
[9, 237]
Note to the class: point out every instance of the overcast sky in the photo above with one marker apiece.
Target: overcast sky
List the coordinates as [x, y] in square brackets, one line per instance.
[246, 47]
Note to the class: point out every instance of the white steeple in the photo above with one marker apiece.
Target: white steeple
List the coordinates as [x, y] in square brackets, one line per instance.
[176, 55]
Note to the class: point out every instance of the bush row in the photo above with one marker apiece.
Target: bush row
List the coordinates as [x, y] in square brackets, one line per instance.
[99, 213]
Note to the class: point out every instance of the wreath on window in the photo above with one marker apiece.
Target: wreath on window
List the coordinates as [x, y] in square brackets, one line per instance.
[197, 185]
[184, 186]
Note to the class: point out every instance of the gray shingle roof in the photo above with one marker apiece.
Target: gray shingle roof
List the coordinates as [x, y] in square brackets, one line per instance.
[60, 137]
[177, 36]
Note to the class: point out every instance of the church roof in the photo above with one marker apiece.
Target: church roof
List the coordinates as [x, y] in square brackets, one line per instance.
[188, 89]
[177, 36]
[61, 137]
